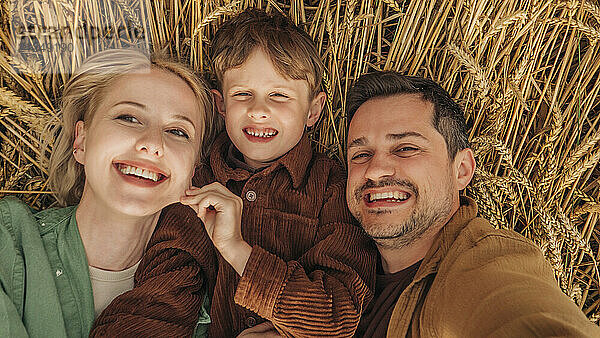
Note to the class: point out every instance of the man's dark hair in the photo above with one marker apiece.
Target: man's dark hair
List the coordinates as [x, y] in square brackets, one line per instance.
[448, 118]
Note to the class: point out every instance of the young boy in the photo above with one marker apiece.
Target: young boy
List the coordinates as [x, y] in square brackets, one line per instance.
[286, 250]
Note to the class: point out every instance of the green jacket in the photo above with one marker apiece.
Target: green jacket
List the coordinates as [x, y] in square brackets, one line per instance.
[44, 274]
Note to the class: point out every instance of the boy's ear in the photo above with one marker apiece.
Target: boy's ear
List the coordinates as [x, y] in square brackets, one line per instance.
[464, 162]
[79, 142]
[219, 102]
[316, 106]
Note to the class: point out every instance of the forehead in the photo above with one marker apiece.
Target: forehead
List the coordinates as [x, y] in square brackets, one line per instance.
[155, 86]
[392, 115]
[258, 69]
[159, 91]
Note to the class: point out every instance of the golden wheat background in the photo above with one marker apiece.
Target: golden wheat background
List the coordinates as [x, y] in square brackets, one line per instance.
[525, 71]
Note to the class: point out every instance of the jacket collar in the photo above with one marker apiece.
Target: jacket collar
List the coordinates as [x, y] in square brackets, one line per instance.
[295, 162]
[49, 219]
[446, 237]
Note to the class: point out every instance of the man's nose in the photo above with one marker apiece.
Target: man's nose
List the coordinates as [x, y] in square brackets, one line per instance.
[151, 142]
[379, 167]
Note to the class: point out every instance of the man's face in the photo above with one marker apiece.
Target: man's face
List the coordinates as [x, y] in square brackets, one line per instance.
[401, 181]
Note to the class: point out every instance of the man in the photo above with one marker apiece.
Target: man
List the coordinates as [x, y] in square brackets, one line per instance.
[443, 271]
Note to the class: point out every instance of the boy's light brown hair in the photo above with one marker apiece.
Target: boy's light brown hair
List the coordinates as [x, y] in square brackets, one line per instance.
[290, 48]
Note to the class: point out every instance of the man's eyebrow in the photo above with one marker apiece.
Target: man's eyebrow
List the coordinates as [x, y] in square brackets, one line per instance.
[399, 136]
[361, 141]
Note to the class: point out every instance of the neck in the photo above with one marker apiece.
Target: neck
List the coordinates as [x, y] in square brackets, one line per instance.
[397, 259]
[113, 241]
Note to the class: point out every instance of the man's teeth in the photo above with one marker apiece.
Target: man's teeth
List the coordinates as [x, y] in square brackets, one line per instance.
[145, 173]
[396, 195]
[257, 133]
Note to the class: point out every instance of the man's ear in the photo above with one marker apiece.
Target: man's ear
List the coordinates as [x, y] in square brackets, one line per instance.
[316, 106]
[464, 163]
[79, 142]
[219, 102]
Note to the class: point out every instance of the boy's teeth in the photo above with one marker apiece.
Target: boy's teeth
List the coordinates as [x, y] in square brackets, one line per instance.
[396, 195]
[145, 173]
[260, 133]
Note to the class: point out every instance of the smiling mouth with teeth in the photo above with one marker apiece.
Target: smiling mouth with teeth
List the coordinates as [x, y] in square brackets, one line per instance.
[389, 196]
[268, 133]
[139, 172]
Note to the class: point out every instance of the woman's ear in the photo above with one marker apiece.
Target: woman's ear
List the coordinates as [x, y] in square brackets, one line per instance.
[464, 162]
[219, 101]
[79, 143]
[316, 106]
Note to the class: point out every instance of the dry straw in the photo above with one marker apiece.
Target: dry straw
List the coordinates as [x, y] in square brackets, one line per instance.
[525, 71]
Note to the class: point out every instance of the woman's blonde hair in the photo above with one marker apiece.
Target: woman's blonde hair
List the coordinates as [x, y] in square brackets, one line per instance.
[83, 93]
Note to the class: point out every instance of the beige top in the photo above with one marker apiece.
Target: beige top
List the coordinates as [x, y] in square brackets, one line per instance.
[107, 285]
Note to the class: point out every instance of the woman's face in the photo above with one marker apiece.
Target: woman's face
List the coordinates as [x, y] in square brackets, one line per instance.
[140, 148]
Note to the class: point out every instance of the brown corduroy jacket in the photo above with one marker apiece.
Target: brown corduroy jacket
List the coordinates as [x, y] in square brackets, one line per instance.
[477, 281]
[311, 270]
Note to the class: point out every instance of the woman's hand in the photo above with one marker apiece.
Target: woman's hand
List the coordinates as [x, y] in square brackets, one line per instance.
[221, 212]
[265, 330]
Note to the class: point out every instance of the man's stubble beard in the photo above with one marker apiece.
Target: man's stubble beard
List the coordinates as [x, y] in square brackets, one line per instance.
[422, 219]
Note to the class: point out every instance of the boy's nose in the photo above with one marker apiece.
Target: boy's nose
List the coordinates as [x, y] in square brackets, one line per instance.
[259, 112]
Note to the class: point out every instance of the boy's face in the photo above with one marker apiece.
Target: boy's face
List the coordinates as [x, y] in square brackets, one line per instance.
[265, 112]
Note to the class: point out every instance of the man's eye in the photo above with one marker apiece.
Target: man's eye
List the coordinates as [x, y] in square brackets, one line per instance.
[179, 133]
[280, 95]
[128, 118]
[360, 157]
[241, 94]
[406, 150]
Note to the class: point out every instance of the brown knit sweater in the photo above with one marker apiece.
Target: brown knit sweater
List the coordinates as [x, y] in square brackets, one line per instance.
[310, 271]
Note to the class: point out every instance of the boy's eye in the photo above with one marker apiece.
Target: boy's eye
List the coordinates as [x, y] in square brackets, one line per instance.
[179, 133]
[127, 118]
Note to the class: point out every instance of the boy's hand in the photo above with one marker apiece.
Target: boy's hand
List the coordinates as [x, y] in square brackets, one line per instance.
[221, 212]
[265, 329]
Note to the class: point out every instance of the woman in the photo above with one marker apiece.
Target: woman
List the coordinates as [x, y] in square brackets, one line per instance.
[132, 131]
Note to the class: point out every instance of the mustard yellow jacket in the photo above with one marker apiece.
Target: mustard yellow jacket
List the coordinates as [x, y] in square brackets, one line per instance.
[477, 281]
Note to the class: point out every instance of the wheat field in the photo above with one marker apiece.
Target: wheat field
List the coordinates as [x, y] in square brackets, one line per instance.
[526, 73]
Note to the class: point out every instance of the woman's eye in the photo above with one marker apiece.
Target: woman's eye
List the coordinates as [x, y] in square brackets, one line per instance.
[128, 118]
[179, 133]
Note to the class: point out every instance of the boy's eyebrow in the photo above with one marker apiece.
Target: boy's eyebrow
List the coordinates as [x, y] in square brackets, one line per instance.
[132, 103]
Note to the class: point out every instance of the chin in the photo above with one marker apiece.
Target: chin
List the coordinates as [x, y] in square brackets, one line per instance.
[140, 208]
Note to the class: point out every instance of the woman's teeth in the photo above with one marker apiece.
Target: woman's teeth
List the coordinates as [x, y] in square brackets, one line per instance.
[396, 195]
[144, 173]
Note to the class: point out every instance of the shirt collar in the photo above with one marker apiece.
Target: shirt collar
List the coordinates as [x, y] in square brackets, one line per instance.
[466, 212]
[295, 161]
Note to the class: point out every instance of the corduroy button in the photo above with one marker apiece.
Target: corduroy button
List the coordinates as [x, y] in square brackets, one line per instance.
[250, 321]
[251, 195]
